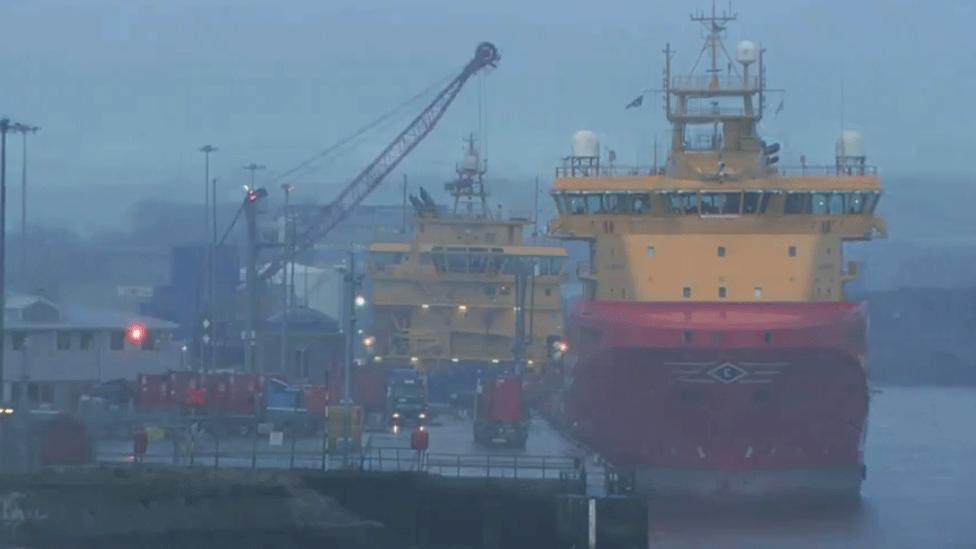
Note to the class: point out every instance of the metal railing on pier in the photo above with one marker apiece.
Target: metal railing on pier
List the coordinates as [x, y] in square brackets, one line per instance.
[312, 453]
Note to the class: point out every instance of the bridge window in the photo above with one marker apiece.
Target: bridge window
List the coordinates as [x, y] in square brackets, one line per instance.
[720, 203]
[828, 203]
[594, 203]
[477, 263]
[457, 262]
[639, 203]
[549, 266]
[872, 202]
[856, 203]
[683, 203]
[819, 204]
[755, 203]
[571, 204]
[837, 203]
[797, 203]
[382, 260]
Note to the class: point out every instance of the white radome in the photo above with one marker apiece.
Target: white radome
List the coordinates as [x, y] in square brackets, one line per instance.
[586, 144]
[470, 162]
[851, 144]
[745, 52]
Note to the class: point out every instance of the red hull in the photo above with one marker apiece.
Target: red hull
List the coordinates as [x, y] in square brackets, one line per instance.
[713, 398]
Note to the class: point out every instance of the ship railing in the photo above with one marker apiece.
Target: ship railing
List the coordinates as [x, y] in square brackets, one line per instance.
[294, 451]
[612, 170]
[712, 84]
[711, 110]
[828, 171]
[510, 466]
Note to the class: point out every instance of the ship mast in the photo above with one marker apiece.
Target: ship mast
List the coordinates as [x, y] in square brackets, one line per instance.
[721, 100]
[468, 190]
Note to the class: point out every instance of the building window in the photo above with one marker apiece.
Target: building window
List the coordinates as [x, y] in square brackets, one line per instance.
[721, 291]
[86, 341]
[64, 341]
[18, 340]
[721, 251]
[148, 342]
[768, 338]
[757, 292]
[686, 291]
[717, 338]
[118, 340]
[650, 251]
[686, 337]
[792, 251]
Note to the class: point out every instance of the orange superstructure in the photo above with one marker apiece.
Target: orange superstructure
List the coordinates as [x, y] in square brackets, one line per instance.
[714, 351]
[467, 293]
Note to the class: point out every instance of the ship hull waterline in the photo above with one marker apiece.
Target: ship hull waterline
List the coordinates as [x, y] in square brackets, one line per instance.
[713, 399]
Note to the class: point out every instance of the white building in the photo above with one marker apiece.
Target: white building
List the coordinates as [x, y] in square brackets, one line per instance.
[53, 353]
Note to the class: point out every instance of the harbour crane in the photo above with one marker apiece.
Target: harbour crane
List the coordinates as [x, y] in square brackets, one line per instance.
[330, 215]
[486, 55]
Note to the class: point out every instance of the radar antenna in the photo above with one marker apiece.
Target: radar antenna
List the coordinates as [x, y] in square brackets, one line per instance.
[468, 189]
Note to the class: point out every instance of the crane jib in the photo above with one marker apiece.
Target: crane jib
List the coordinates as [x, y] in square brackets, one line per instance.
[486, 55]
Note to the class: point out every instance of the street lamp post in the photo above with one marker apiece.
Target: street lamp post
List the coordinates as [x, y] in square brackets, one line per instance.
[4, 128]
[287, 188]
[23, 129]
[208, 308]
[252, 167]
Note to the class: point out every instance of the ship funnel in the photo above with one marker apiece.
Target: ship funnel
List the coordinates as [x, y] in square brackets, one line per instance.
[586, 145]
[745, 52]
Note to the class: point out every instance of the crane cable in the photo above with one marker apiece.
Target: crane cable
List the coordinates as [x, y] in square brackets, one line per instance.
[306, 165]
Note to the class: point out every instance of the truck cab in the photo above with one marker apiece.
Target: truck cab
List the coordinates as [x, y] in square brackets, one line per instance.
[406, 397]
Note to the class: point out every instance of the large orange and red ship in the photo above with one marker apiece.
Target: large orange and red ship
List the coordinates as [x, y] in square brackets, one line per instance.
[714, 352]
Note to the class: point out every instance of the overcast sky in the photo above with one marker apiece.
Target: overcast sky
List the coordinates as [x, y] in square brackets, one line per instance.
[127, 90]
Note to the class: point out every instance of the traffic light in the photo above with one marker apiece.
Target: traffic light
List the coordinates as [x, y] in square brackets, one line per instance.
[136, 333]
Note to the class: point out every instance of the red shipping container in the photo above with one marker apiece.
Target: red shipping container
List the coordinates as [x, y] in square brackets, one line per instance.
[218, 392]
[368, 387]
[180, 385]
[244, 393]
[152, 392]
[316, 398]
[501, 400]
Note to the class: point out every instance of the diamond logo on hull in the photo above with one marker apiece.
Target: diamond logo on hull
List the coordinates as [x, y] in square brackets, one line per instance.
[727, 373]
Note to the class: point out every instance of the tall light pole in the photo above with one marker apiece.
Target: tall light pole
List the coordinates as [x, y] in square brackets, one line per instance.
[207, 322]
[4, 128]
[252, 167]
[287, 188]
[213, 274]
[206, 150]
[23, 129]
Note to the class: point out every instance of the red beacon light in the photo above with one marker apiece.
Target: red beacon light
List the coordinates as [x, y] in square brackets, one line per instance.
[135, 333]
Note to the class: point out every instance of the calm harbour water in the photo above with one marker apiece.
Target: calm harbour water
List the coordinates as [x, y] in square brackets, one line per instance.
[920, 490]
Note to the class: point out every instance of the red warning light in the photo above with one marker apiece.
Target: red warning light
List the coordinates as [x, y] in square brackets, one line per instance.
[135, 333]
